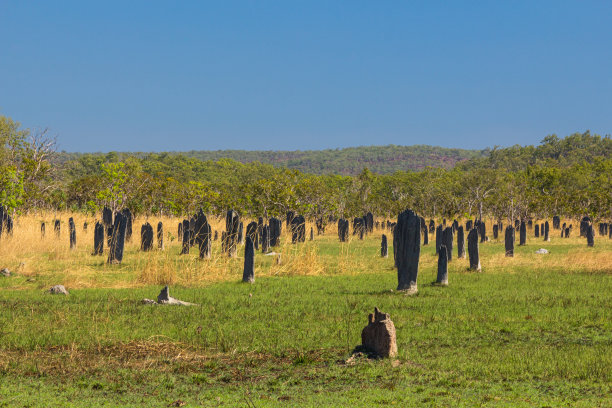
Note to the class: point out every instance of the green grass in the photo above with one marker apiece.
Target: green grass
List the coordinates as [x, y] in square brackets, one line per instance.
[530, 331]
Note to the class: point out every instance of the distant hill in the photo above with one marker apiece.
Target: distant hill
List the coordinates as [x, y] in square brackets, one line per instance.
[352, 160]
[552, 151]
[347, 161]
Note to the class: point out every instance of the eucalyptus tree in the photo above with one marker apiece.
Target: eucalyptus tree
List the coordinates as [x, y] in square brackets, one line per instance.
[602, 179]
[312, 197]
[478, 185]
[114, 178]
[545, 190]
[25, 170]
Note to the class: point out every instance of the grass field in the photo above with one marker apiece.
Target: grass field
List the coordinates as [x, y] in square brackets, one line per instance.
[533, 330]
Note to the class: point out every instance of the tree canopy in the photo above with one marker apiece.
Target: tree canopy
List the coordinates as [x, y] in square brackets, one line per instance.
[569, 177]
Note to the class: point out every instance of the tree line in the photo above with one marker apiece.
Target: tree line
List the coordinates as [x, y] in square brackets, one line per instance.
[569, 177]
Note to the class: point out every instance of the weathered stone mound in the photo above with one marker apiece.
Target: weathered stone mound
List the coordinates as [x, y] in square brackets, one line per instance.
[164, 298]
[378, 337]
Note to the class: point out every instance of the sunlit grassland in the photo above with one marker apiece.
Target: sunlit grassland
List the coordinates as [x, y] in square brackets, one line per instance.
[533, 330]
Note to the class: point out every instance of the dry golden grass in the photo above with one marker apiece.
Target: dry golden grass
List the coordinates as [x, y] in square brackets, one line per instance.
[41, 261]
[573, 260]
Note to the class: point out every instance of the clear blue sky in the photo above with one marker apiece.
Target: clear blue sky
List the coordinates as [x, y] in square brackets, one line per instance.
[182, 75]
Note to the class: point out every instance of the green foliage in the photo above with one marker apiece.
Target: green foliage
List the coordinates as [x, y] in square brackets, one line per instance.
[11, 188]
[12, 141]
[114, 179]
[12, 148]
[166, 184]
[26, 171]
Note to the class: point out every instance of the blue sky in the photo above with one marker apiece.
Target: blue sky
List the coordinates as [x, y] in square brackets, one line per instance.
[197, 75]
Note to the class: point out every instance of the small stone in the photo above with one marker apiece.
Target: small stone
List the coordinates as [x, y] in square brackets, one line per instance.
[541, 251]
[5, 272]
[58, 290]
[351, 360]
[379, 335]
[411, 291]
